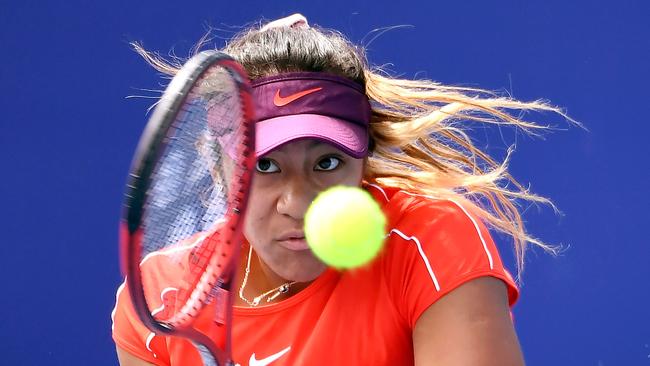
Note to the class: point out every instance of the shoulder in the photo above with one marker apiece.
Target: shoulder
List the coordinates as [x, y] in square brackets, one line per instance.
[399, 204]
[422, 218]
[162, 273]
[433, 246]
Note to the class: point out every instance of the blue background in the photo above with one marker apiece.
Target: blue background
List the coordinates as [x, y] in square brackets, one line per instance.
[67, 134]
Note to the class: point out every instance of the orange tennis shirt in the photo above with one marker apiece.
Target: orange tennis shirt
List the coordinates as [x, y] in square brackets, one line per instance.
[360, 317]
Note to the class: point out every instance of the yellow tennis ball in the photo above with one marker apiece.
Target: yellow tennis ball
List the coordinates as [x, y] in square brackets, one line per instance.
[345, 227]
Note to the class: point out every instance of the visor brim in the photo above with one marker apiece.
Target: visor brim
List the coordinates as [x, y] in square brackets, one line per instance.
[349, 137]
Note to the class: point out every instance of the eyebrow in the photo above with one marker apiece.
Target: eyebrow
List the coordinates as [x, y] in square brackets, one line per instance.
[315, 143]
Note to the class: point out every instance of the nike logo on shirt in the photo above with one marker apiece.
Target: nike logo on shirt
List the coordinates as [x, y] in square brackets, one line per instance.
[267, 361]
[281, 101]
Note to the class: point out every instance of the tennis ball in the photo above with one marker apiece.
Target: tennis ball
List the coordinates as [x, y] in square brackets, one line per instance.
[345, 227]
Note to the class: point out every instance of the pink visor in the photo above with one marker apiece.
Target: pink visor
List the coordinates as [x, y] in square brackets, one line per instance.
[311, 105]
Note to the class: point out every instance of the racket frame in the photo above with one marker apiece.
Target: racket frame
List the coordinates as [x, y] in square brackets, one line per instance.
[151, 145]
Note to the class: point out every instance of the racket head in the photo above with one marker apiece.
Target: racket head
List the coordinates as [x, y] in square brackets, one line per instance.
[186, 196]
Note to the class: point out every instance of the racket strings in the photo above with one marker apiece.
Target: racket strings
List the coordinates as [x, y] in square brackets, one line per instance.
[198, 180]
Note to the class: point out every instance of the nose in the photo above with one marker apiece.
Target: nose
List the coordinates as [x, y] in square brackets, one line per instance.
[295, 198]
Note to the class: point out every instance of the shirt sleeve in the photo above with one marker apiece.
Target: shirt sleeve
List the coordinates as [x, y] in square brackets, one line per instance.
[433, 248]
[132, 336]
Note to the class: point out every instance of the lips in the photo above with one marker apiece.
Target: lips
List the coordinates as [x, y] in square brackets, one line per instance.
[293, 240]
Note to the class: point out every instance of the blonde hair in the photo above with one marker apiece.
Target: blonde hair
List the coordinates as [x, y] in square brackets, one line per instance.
[418, 127]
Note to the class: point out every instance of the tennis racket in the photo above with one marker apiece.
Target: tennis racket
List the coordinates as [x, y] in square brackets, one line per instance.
[185, 201]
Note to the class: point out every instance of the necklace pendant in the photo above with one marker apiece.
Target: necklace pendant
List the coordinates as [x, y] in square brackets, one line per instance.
[274, 296]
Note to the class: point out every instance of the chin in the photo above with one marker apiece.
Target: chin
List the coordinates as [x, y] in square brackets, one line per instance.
[308, 277]
[300, 269]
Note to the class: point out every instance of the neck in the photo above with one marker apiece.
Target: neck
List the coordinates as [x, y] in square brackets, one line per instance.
[261, 283]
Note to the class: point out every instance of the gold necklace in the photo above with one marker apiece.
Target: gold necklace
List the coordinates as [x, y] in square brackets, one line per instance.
[282, 289]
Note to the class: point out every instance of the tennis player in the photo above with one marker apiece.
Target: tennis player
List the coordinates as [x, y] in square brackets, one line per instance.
[438, 294]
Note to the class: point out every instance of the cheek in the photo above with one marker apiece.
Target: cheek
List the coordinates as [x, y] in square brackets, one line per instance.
[352, 174]
[258, 211]
[250, 226]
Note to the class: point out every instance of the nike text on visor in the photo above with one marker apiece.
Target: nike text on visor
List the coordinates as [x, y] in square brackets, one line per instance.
[311, 105]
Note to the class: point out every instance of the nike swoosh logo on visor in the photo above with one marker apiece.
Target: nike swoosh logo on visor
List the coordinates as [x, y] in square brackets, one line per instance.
[267, 361]
[281, 101]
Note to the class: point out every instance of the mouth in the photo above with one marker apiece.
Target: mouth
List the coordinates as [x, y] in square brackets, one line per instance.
[294, 240]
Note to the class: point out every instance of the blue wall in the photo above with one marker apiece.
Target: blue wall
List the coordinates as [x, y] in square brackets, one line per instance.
[67, 134]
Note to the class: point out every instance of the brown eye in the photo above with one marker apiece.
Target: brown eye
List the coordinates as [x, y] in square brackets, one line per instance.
[328, 163]
[264, 165]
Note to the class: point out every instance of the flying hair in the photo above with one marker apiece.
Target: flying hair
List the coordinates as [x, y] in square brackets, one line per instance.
[419, 128]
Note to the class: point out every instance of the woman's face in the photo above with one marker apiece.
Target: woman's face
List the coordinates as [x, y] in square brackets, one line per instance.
[285, 183]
